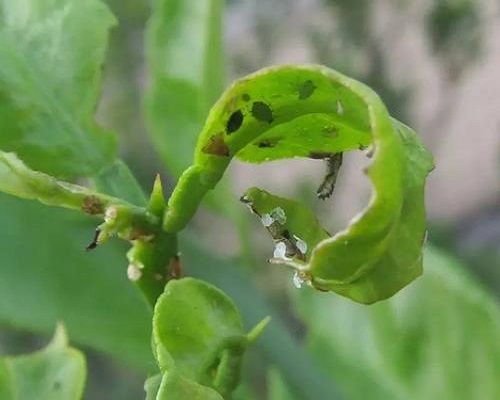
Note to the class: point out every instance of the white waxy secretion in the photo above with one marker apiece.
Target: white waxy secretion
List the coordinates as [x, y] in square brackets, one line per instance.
[134, 273]
[298, 280]
[110, 214]
[301, 245]
[267, 220]
[280, 251]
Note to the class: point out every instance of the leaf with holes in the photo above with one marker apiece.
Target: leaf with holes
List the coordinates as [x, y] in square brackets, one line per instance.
[315, 112]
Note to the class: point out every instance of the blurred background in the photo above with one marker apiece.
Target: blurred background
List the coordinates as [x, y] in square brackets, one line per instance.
[436, 65]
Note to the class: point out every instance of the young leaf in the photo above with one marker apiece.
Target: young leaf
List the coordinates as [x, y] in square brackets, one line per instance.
[54, 373]
[184, 52]
[51, 53]
[176, 387]
[118, 181]
[315, 112]
[198, 333]
[151, 386]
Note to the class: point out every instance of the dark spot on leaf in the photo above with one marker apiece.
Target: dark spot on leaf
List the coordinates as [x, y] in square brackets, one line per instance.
[234, 122]
[267, 143]
[57, 385]
[216, 146]
[306, 89]
[92, 205]
[319, 155]
[262, 112]
[245, 97]
[330, 132]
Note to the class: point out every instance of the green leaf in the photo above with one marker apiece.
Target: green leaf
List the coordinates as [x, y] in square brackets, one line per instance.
[6, 389]
[277, 346]
[151, 386]
[437, 339]
[51, 53]
[184, 53]
[118, 181]
[19, 180]
[56, 372]
[277, 388]
[57, 280]
[312, 111]
[197, 331]
[176, 387]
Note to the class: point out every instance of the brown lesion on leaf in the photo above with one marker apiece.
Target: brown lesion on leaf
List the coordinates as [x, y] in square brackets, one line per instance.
[267, 143]
[216, 146]
[92, 205]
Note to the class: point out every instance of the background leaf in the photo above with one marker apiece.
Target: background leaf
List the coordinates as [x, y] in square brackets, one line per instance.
[184, 52]
[57, 280]
[437, 339]
[51, 52]
[54, 373]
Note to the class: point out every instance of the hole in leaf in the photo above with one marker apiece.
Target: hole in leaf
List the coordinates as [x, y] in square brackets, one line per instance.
[234, 122]
[268, 143]
[262, 112]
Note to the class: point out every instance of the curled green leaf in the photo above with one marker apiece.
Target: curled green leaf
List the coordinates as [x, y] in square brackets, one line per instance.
[315, 112]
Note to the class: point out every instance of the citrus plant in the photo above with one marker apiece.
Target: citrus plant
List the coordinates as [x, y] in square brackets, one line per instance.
[51, 57]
